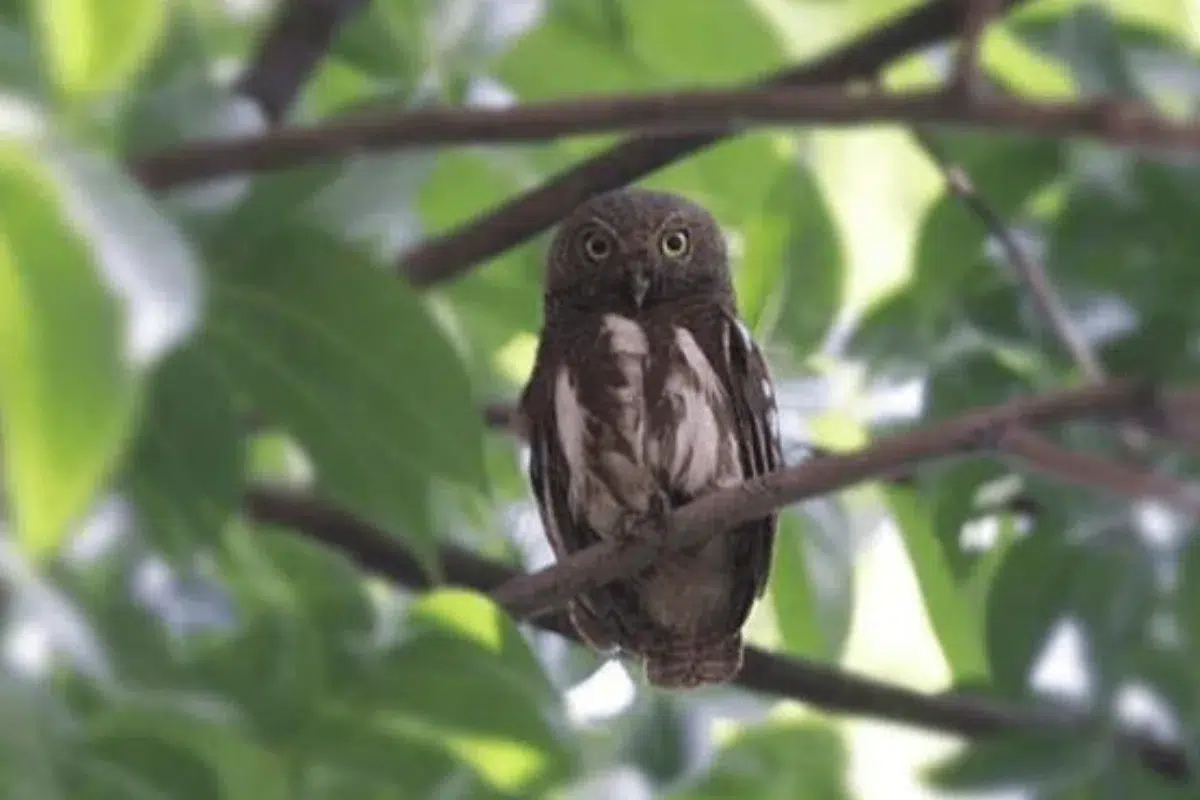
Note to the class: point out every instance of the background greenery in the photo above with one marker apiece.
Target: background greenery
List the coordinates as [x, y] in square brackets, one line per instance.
[157, 352]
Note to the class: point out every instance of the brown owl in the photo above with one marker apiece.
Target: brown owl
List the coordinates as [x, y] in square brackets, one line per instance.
[647, 392]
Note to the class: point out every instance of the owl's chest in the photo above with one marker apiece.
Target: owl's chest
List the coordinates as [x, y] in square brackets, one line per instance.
[646, 402]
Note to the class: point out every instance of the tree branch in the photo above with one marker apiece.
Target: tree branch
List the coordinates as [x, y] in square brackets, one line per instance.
[300, 36]
[965, 80]
[536, 593]
[1066, 465]
[1112, 121]
[795, 679]
[516, 220]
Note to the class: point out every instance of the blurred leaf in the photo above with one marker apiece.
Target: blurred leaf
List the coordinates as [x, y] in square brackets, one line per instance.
[958, 630]
[812, 581]
[66, 391]
[144, 258]
[676, 39]
[1106, 586]
[793, 252]
[1028, 594]
[346, 358]
[202, 728]
[658, 742]
[1037, 761]
[588, 44]
[31, 741]
[465, 680]
[96, 46]
[185, 468]
[367, 746]
[783, 761]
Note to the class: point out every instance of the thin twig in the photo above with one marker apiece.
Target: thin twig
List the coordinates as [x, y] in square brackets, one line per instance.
[299, 37]
[796, 679]
[1031, 271]
[723, 510]
[1115, 122]
[1046, 457]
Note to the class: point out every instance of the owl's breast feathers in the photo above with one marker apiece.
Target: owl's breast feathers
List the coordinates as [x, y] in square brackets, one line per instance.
[670, 405]
[640, 412]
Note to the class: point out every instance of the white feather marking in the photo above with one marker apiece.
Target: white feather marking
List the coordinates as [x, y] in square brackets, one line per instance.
[571, 420]
[700, 449]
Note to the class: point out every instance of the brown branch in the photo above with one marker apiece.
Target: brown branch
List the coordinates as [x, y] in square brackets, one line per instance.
[299, 37]
[796, 679]
[965, 80]
[1115, 122]
[1069, 466]
[536, 593]
[516, 220]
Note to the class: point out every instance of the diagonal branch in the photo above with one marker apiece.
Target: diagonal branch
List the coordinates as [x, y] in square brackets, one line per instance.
[523, 217]
[300, 36]
[536, 593]
[1069, 466]
[796, 679]
[1031, 271]
[709, 111]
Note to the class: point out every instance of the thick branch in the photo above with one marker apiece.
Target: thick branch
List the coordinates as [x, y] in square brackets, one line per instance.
[300, 36]
[670, 113]
[803, 681]
[528, 595]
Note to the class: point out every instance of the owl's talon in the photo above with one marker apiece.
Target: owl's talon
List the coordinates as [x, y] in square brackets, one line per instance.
[634, 528]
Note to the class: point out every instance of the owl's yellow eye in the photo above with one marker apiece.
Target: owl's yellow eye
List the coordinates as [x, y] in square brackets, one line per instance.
[674, 243]
[596, 245]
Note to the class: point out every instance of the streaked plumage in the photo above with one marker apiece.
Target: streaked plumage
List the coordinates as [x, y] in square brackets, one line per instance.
[648, 391]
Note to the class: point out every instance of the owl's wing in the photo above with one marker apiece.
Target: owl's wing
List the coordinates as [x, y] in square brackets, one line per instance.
[747, 381]
[548, 474]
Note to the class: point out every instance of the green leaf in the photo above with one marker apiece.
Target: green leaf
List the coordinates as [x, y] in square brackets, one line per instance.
[784, 761]
[794, 256]
[1027, 595]
[1106, 586]
[205, 729]
[67, 391]
[186, 466]
[31, 743]
[1036, 761]
[589, 45]
[677, 39]
[953, 620]
[812, 582]
[347, 359]
[96, 46]
[464, 679]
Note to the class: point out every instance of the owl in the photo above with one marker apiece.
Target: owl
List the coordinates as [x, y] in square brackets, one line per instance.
[647, 392]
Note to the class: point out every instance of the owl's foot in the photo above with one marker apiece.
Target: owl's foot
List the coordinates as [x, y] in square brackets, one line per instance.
[649, 527]
[689, 665]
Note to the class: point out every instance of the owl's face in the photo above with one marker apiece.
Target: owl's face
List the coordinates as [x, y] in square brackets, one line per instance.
[632, 249]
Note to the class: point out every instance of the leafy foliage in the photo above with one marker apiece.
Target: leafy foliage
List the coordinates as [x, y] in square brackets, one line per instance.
[162, 353]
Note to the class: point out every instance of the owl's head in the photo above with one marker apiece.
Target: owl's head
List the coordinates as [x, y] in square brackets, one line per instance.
[632, 249]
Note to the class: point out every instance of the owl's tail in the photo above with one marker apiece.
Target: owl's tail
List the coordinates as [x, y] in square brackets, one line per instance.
[688, 665]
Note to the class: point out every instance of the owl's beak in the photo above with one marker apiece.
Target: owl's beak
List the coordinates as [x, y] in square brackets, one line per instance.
[639, 284]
